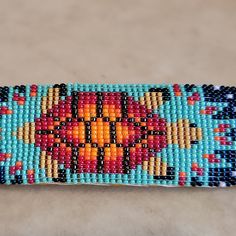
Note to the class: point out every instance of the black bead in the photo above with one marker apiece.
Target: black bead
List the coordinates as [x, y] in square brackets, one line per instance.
[144, 136]
[2, 181]
[131, 120]
[149, 115]
[62, 85]
[119, 145]
[50, 149]
[156, 177]
[106, 119]
[13, 181]
[57, 119]
[63, 180]
[56, 86]
[20, 181]
[194, 142]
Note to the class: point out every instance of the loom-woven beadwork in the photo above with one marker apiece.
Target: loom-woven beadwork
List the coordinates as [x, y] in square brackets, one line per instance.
[171, 135]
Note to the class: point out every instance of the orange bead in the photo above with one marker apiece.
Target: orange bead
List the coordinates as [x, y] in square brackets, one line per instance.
[30, 172]
[150, 137]
[206, 155]
[191, 102]
[56, 123]
[9, 112]
[138, 145]
[93, 158]
[8, 155]
[94, 140]
[182, 174]
[51, 135]
[68, 115]
[21, 103]
[194, 165]
[132, 149]
[106, 158]
[33, 94]
[178, 94]
[216, 130]
[119, 153]
[18, 163]
[81, 152]
[217, 138]
[75, 132]
[51, 127]
[202, 112]
[63, 145]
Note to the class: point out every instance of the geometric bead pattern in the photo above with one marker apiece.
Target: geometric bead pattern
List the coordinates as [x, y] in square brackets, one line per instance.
[142, 134]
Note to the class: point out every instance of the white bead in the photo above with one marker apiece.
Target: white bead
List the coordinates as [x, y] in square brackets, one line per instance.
[222, 184]
[233, 173]
[216, 87]
[230, 96]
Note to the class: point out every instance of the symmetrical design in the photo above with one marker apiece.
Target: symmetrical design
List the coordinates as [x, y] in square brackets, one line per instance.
[172, 135]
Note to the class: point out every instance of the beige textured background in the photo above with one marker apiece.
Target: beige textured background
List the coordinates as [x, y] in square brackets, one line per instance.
[114, 42]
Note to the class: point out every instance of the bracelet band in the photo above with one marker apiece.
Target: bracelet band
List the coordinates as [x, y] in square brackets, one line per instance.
[143, 134]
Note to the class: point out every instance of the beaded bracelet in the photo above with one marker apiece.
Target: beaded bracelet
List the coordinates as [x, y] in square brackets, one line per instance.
[169, 135]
